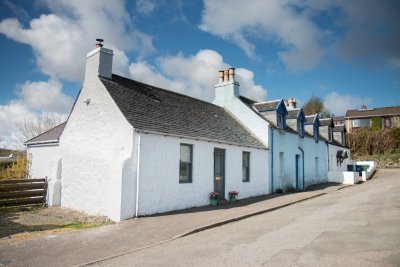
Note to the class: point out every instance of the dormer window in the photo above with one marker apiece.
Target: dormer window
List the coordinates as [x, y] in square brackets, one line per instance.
[280, 123]
[300, 128]
[316, 133]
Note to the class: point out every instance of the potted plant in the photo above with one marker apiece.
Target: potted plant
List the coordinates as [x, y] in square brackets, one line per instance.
[233, 196]
[214, 198]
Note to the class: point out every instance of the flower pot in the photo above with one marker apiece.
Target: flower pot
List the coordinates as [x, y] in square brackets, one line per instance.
[232, 199]
[213, 202]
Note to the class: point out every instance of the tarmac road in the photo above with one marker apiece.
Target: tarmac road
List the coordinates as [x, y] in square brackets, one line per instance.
[355, 226]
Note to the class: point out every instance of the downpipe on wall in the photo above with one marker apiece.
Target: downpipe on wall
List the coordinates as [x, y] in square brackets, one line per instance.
[137, 176]
[302, 156]
[272, 159]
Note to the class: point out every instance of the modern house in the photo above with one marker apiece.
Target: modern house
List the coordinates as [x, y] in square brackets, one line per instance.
[383, 118]
[132, 149]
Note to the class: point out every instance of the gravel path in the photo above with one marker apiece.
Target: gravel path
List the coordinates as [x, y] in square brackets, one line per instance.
[18, 226]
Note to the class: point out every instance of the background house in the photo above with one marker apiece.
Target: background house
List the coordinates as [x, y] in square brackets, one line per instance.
[383, 118]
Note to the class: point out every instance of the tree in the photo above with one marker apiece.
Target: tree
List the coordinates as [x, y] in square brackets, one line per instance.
[37, 125]
[316, 105]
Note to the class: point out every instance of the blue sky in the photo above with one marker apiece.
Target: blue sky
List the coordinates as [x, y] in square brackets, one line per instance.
[346, 52]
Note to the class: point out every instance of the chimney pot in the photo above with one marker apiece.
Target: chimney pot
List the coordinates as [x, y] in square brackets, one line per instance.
[99, 42]
[231, 74]
[226, 75]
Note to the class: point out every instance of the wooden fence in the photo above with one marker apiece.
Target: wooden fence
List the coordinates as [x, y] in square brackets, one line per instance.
[22, 192]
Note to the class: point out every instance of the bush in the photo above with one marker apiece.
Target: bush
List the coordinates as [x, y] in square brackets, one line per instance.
[376, 123]
[17, 169]
[366, 141]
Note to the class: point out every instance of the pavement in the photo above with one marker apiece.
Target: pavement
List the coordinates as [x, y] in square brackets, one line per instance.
[89, 246]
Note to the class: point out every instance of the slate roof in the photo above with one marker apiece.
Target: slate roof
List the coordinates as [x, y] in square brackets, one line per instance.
[338, 128]
[384, 111]
[292, 114]
[338, 118]
[264, 106]
[51, 135]
[153, 109]
[326, 122]
[310, 119]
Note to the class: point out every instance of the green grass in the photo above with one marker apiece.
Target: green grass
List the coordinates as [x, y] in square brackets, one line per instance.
[79, 226]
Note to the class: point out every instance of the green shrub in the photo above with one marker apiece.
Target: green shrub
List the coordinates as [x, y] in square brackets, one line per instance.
[376, 123]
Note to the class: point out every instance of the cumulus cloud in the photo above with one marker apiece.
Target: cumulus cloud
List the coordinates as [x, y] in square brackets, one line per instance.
[365, 31]
[61, 39]
[338, 104]
[194, 75]
[275, 21]
[32, 98]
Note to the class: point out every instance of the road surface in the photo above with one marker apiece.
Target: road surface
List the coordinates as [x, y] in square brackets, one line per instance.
[356, 226]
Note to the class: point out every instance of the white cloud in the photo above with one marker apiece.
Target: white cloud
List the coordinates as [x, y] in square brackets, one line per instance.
[276, 21]
[33, 97]
[338, 104]
[46, 96]
[145, 7]
[194, 75]
[60, 40]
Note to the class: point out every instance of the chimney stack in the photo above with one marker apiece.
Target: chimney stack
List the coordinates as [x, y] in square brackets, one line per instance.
[363, 107]
[291, 103]
[99, 62]
[227, 88]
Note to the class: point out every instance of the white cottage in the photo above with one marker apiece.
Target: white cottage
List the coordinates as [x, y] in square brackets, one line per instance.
[132, 149]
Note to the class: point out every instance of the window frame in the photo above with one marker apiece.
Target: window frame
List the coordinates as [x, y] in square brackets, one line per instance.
[189, 168]
[280, 124]
[300, 128]
[316, 133]
[360, 123]
[246, 179]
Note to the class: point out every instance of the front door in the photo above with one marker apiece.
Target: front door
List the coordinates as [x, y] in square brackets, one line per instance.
[219, 172]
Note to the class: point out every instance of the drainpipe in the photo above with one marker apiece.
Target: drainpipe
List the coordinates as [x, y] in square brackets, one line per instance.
[302, 155]
[327, 150]
[137, 176]
[272, 159]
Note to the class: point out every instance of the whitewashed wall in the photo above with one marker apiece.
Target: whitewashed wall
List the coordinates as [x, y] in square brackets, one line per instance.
[284, 177]
[333, 165]
[289, 144]
[254, 122]
[313, 150]
[44, 160]
[160, 190]
[98, 156]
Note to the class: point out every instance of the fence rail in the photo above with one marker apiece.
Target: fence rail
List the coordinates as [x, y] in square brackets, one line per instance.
[22, 192]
